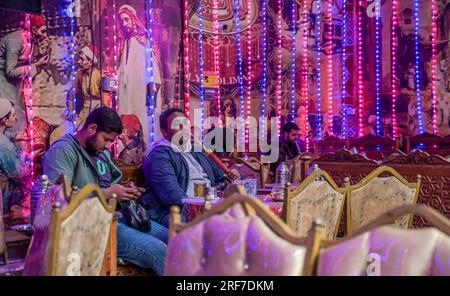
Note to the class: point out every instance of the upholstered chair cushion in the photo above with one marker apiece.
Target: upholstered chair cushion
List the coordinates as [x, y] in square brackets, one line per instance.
[318, 200]
[389, 250]
[377, 197]
[84, 236]
[232, 243]
[81, 239]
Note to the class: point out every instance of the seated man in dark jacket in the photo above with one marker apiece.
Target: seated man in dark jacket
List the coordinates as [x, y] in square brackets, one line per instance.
[290, 144]
[171, 168]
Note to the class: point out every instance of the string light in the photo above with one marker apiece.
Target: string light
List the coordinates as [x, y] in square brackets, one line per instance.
[293, 53]
[360, 70]
[378, 64]
[417, 46]
[186, 57]
[239, 58]
[30, 94]
[434, 64]
[216, 54]
[264, 64]
[304, 89]
[177, 83]
[73, 70]
[201, 58]
[249, 69]
[279, 64]
[150, 55]
[116, 101]
[318, 70]
[330, 65]
[344, 69]
[394, 78]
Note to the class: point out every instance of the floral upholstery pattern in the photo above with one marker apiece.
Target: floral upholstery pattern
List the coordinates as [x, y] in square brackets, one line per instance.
[84, 235]
[320, 201]
[377, 197]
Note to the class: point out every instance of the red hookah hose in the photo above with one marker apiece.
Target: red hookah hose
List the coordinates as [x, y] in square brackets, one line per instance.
[213, 156]
[217, 161]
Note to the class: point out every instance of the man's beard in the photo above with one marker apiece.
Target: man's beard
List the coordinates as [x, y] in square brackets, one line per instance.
[91, 146]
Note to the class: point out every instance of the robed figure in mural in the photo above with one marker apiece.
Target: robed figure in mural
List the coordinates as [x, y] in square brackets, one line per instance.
[134, 74]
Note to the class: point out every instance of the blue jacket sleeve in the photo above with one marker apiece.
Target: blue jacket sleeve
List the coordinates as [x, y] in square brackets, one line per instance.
[59, 161]
[160, 176]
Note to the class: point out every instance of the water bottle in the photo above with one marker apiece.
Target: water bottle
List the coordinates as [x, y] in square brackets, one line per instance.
[282, 174]
[37, 193]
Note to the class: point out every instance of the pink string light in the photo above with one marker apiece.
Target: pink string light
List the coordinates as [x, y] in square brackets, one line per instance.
[249, 69]
[394, 78]
[279, 64]
[186, 57]
[330, 65]
[30, 93]
[116, 95]
[434, 64]
[304, 89]
[360, 69]
[216, 54]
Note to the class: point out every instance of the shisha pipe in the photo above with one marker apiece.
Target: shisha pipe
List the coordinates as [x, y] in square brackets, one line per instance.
[211, 155]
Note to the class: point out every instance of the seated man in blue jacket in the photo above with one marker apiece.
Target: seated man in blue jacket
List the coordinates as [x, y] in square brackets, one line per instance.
[171, 168]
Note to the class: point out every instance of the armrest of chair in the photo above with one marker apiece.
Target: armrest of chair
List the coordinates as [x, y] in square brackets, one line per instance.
[110, 262]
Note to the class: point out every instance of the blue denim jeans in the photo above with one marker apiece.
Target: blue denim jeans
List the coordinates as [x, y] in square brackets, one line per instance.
[147, 250]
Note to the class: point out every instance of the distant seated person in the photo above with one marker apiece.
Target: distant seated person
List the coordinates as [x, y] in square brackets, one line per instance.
[15, 165]
[84, 158]
[171, 168]
[290, 144]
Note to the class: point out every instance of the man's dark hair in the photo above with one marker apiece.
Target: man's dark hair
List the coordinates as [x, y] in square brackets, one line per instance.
[106, 119]
[290, 126]
[163, 124]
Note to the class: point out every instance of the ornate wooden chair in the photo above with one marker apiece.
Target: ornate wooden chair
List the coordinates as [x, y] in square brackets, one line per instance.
[379, 248]
[252, 168]
[239, 236]
[377, 194]
[375, 147]
[131, 173]
[430, 143]
[74, 239]
[329, 145]
[295, 169]
[316, 198]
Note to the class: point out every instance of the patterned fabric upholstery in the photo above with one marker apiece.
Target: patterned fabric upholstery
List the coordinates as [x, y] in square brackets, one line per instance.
[232, 244]
[389, 250]
[318, 200]
[377, 197]
[84, 235]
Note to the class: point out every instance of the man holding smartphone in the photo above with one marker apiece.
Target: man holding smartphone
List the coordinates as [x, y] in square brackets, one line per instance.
[84, 158]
